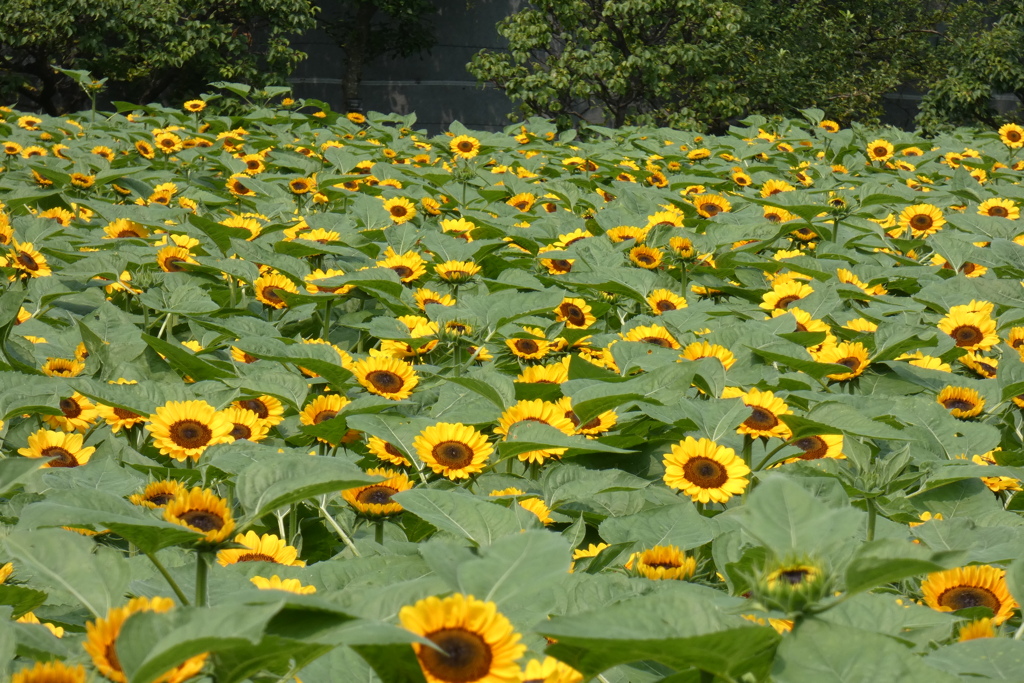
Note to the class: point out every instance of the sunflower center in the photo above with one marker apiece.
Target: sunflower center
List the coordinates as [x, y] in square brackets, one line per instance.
[794, 577]
[998, 211]
[761, 418]
[574, 314]
[465, 146]
[921, 222]
[665, 305]
[522, 205]
[126, 414]
[814, 447]
[465, 656]
[710, 209]
[453, 454]
[324, 415]
[880, 151]
[666, 564]
[171, 264]
[204, 520]
[240, 431]
[962, 597]
[644, 258]
[190, 434]
[773, 217]
[255, 557]
[403, 271]
[786, 301]
[561, 265]
[160, 499]
[705, 473]
[61, 457]
[398, 211]
[271, 294]
[27, 261]
[658, 341]
[127, 233]
[527, 346]
[958, 404]
[376, 495]
[112, 659]
[256, 406]
[70, 407]
[851, 363]
[967, 335]
[385, 380]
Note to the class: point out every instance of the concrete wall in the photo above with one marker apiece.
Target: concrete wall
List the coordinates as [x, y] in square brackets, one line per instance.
[435, 85]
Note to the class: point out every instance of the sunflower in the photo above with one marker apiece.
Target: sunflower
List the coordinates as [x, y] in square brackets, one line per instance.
[78, 414]
[425, 296]
[476, 643]
[621, 233]
[464, 146]
[302, 185]
[167, 142]
[555, 373]
[985, 367]
[453, 450]
[388, 377]
[236, 185]
[682, 246]
[645, 257]
[408, 266]
[539, 508]
[268, 288]
[276, 583]
[819, 446]
[202, 511]
[775, 186]
[597, 425]
[124, 228]
[194, 106]
[170, 259]
[662, 300]
[245, 424]
[979, 628]
[536, 410]
[705, 471]
[880, 150]
[319, 274]
[265, 548]
[1012, 135]
[764, 419]
[158, 494]
[575, 313]
[63, 450]
[387, 452]
[523, 201]
[83, 180]
[703, 349]
[922, 361]
[145, 149]
[26, 259]
[651, 334]
[184, 429]
[783, 294]
[961, 402]
[974, 586]
[709, 205]
[456, 271]
[12, 148]
[549, 671]
[374, 500]
[102, 634]
[118, 418]
[50, 672]
[528, 348]
[922, 219]
[853, 355]
[971, 326]
[829, 126]
[267, 408]
[323, 408]
[662, 562]
[33, 151]
[400, 209]
[1003, 208]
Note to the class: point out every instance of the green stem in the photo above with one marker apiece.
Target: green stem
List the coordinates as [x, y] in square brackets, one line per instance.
[872, 515]
[202, 569]
[748, 447]
[378, 533]
[338, 530]
[168, 578]
[768, 457]
[293, 523]
[328, 310]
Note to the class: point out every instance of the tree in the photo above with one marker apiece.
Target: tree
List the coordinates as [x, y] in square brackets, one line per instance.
[699, 64]
[981, 57]
[367, 29]
[147, 49]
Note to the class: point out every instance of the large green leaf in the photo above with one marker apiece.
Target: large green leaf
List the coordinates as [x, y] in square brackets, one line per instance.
[466, 516]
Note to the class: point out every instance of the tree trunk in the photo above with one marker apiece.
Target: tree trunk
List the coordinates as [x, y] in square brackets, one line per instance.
[355, 55]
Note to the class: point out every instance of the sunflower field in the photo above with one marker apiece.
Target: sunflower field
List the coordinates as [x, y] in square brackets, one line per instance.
[301, 396]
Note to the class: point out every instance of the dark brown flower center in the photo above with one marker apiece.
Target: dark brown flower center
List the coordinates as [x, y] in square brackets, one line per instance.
[61, 457]
[921, 221]
[126, 414]
[160, 499]
[190, 433]
[710, 209]
[644, 257]
[204, 520]
[786, 301]
[255, 557]
[271, 294]
[705, 473]
[240, 431]
[852, 363]
[958, 404]
[658, 341]
[464, 657]
[573, 313]
[527, 346]
[27, 261]
[453, 454]
[880, 151]
[761, 419]
[70, 407]
[561, 265]
[962, 597]
[794, 577]
[111, 654]
[171, 264]
[465, 146]
[385, 380]
[257, 406]
[324, 415]
[998, 211]
[666, 564]
[665, 305]
[403, 271]
[814, 447]
[1013, 136]
[967, 335]
[376, 495]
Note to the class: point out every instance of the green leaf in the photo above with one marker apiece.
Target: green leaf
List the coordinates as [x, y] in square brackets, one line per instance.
[889, 560]
[21, 598]
[186, 361]
[14, 470]
[680, 525]
[475, 519]
[996, 659]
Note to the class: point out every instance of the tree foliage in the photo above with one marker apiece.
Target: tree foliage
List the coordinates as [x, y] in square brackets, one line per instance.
[148, 50]
[697, 64]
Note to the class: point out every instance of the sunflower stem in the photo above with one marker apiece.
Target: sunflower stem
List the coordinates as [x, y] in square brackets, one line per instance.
[872, 515]
[1019, 633]
[748, 446]
[338, 530]
[328, 310]
[202, 569]
[378, 532]
[293, 523]
[168, 578]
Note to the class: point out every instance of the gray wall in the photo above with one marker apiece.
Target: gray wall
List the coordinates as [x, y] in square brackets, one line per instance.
[435, 85]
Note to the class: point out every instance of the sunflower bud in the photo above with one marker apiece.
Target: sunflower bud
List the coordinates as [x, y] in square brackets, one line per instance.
[792, 585]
